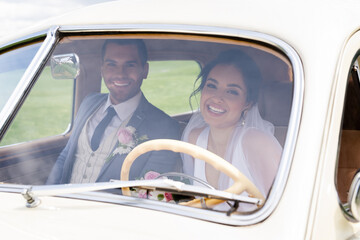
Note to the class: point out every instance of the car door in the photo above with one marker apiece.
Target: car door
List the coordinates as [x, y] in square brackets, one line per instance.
[340, 156]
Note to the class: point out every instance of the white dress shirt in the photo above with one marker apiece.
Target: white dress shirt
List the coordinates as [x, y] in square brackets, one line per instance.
[123, 111]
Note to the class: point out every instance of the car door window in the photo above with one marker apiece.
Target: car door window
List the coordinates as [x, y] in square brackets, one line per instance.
[349, 153]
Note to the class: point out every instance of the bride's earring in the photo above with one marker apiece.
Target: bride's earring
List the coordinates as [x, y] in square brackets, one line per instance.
[243, 115]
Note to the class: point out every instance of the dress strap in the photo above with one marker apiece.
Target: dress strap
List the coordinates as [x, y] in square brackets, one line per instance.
[199, 165]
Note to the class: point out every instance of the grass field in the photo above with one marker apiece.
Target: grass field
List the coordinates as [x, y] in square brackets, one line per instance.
[169, 88]
[169, 85]
[47, 110]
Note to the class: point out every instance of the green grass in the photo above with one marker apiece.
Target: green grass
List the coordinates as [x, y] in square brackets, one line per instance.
[170, 84]
[45, 112]
[47, 109]
[8, 82]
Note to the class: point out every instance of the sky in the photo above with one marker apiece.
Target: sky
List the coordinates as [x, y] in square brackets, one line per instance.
[18, 14]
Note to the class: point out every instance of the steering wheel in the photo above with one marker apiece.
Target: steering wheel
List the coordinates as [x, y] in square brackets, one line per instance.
[241, 183]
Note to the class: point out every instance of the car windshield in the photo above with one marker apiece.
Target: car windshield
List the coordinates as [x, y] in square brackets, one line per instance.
[150, 106]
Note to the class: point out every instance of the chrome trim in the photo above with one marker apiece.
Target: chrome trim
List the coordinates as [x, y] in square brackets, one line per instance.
[294, 122]
[105, 197]
[24, 84]
[353, 198]
[32, 193]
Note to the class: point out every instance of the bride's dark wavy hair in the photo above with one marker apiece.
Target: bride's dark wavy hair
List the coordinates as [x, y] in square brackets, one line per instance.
[241, 61]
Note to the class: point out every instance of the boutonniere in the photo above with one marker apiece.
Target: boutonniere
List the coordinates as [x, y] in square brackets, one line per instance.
[127, 140]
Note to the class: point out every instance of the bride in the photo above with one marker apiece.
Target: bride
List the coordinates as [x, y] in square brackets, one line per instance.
[229, 124]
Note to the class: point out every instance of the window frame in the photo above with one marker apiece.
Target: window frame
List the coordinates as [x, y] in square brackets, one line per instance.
[350, 53]
[22, 89]
[223, 33]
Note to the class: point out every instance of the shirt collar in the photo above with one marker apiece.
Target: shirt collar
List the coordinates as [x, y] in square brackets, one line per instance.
[124, 109]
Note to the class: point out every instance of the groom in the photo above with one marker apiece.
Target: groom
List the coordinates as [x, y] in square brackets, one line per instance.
[92, 153]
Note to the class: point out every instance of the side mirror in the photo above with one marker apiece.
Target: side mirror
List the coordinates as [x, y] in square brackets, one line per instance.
[354, 199]
[65, 66]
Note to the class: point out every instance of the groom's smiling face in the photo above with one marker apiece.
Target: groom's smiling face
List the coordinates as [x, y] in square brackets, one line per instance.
[123, 71]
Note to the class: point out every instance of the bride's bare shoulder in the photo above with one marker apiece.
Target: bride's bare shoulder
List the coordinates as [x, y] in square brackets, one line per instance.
[194, 134]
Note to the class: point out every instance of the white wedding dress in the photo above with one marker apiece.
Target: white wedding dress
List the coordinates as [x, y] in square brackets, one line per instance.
[253, 150]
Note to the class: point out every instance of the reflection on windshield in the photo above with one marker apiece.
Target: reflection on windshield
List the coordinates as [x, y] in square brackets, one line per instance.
[229, 99]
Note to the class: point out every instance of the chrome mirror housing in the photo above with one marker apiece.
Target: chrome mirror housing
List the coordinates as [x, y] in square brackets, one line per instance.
[65, 66]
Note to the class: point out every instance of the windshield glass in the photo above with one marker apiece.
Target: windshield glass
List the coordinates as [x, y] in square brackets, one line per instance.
[99, 97]
[12, 66]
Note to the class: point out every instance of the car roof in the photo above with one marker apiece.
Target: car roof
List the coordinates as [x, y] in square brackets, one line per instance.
[296, 22]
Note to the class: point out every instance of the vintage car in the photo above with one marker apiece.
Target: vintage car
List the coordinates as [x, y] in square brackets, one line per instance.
[307, 53]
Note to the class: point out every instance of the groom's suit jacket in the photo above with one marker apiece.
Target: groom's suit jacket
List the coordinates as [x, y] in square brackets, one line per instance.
[147, 120]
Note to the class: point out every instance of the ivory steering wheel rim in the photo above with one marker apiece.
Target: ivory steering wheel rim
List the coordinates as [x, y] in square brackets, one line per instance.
[241, 182]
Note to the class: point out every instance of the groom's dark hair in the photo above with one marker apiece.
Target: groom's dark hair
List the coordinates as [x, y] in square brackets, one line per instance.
[137, 42]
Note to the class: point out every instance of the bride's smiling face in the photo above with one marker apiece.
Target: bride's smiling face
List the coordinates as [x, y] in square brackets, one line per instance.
[223, 98]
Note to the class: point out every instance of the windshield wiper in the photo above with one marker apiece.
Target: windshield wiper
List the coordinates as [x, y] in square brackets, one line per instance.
[32, 193]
